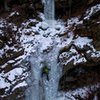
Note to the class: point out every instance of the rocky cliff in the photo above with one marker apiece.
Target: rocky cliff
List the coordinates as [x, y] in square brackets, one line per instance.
[79, 56]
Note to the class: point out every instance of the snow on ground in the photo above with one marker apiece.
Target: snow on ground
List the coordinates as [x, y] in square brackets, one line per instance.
[2, 23]
[3, 84]
[0, 31]
[20, 85]
[72, 54]
[76, 58]
[74, 21]
[1, 52]
[44, 36]
[67, 40]
[91, 11]
[13, 13]
[95, 54]
[10, 75]
[14, 74]
[41, 33]
[82, 41]
[83, 92]
[34, 33]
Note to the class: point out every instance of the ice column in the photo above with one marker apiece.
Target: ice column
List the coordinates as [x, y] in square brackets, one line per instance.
[49, 10]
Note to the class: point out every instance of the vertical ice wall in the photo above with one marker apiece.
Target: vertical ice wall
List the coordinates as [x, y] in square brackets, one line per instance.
[49, 11]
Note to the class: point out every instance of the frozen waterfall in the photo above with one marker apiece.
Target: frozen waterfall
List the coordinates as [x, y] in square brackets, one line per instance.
[39, 87]
[51, 86]
[33, 91]
[49, 11]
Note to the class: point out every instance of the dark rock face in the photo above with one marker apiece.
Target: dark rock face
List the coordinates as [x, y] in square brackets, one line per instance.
[8, 38]
[83, 73]
[10, 50]
[18, 94]
[67, 8]
[90, 27]
[79, 76]
[74, 74]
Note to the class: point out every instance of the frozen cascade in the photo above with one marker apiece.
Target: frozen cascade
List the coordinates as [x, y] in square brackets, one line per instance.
[49, 11]
[51, 86]
[39, 87]
[45, 50]
[33, 92]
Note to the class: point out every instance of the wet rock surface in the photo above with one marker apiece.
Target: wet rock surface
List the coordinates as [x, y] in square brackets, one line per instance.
[76, 75]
